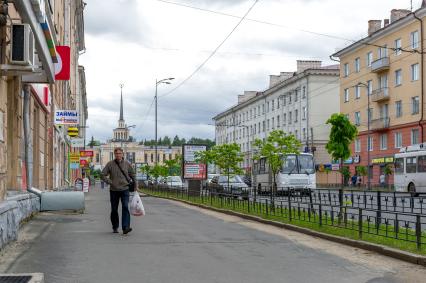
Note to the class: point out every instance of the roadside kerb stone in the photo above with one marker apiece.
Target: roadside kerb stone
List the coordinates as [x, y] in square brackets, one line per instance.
[380, 249]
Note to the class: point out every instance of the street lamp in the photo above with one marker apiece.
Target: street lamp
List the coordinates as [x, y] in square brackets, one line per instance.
[368, 132]
[163, 81]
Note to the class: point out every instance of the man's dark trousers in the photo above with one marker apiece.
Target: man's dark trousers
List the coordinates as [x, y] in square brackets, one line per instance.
[115, 197]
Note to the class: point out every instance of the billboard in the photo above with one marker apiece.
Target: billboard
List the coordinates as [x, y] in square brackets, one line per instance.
[66, 117]
[191, 169]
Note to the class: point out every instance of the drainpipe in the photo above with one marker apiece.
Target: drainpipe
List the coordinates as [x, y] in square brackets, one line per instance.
[421, 76]
[28, 143]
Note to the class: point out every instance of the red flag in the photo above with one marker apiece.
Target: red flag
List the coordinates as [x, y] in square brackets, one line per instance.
[62, 68]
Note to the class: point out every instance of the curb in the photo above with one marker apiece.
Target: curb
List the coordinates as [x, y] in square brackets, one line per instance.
[380, 249]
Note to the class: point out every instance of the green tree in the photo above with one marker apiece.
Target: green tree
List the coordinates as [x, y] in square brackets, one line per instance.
[273, 148]
[167, 141]
[342, 134]
[388, 171]
[176, 141]
[174, 166]
[226, 156]
[346, 174]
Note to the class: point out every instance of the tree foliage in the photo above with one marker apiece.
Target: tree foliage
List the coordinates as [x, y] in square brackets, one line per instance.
[342, 134]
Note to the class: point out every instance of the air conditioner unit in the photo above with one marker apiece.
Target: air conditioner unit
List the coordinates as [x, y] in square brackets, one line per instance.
[22, 45]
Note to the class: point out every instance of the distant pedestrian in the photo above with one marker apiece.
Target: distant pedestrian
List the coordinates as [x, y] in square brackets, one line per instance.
[354, 179]
[120, 172]
[359, 181]
[382, 180]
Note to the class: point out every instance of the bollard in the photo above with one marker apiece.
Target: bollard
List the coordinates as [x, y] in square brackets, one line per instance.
[360, 223]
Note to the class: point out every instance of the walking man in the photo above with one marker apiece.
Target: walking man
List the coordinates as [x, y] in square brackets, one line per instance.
[120, 173]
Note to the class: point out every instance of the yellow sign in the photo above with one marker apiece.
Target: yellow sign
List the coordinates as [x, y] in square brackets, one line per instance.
[74, 157]
[382, 160]
[73, 132]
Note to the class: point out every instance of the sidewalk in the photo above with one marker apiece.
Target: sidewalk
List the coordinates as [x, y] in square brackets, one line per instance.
[177, 243]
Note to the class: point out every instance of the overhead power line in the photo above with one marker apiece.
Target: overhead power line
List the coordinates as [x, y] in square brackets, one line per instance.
[214, 51]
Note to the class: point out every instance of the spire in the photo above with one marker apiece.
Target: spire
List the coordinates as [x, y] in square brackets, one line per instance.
[121, 103]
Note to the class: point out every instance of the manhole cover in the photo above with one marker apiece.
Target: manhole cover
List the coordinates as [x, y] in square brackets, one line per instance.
[15, 279]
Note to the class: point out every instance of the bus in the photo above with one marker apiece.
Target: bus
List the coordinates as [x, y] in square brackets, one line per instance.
[297, 173]
[410, 169]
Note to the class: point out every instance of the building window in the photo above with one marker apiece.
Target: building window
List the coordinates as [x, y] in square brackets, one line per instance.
[370, 144]
[278, 102]
[290, 117]
[296, 95]
[414, 136]
[346, 95]
[258, 128]
[398, 47]
[369, 58]
[304, 113]
[278, 121]
[414, 39]
[273, 123]
[357, 65]
[398, 77]
[357, 118]
[398, 108]
[255, 128]
[346, 70]
[251, 114]
[304, 92]
[357, 92]
[304, 133]
[398, 140]
[296, 134]
[273, 104]
[383, 142]
[284, 99]
[267, 107]
[370, 114]
[357, 145]
[369, 87]
[289, 98]
[263, 126]
[267, 125]
[296, 115]
[414, 105]
[415, 72]
[383, 52]
[284, 118]
[258, 109]
[263, 108]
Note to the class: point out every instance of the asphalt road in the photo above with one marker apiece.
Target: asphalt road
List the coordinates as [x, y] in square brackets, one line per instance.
[176, 243]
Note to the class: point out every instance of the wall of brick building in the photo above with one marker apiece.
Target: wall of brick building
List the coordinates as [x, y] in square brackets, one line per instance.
[405, 130]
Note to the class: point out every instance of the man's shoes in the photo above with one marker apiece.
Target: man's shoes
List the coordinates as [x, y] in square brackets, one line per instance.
[114, 230]
[127, 230]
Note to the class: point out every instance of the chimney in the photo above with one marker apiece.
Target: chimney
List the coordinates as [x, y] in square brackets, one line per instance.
[397, 14]
[246, 96]
[373, 26]
[303, 65]
[274, 80]
[386, 22]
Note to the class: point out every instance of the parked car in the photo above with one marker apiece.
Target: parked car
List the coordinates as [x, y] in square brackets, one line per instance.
[235, 187]
[246, 179]
[174, 182]
[210, 177]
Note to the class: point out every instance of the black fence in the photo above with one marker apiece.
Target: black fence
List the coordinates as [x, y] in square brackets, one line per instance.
[391, 216]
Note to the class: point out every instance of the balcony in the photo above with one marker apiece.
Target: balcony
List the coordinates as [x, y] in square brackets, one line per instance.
[380, 65]
[381, 94]
[380, 124]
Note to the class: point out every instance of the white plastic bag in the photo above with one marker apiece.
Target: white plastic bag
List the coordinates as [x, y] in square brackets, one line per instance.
[136, 206]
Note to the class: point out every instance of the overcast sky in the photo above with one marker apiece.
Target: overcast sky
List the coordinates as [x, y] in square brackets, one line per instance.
[135, 42]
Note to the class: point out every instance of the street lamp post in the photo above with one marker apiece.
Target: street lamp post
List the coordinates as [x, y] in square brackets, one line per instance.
[163, 81]
[368, 133]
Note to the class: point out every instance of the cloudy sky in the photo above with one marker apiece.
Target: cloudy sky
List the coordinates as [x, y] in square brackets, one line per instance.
[135, 42]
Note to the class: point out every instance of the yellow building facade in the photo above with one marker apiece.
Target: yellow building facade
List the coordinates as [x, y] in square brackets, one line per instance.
[382, 89]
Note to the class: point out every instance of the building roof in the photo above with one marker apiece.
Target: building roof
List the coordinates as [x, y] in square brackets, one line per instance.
[382, 32]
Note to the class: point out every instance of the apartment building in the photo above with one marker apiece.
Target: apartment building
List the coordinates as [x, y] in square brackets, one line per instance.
[33, 151]
[381, 89]
[298, 103]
